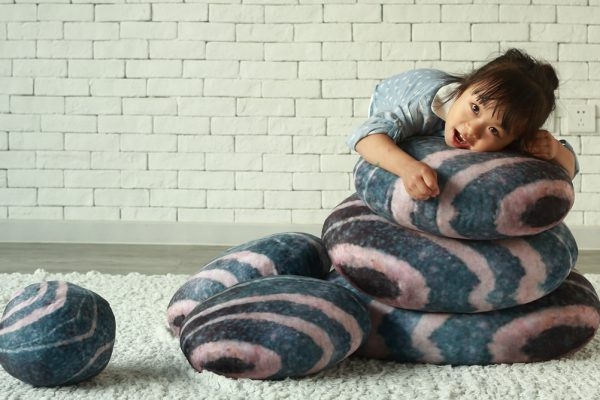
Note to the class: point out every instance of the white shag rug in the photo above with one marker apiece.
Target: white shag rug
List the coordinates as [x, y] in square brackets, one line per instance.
[147, 363]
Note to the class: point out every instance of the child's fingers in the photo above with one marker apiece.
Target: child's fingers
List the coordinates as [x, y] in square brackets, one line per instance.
[417, 190]
[431, 182]
[420, 181]
[422, 187]
[543, 146]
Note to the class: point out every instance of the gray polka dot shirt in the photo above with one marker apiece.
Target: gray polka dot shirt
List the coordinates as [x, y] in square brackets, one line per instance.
[401, 106]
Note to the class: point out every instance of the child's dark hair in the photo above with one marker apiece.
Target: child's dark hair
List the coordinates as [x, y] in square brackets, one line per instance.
[520, 87]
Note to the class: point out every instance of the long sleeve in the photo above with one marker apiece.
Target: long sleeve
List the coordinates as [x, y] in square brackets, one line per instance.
[570, 148]
[401, 107]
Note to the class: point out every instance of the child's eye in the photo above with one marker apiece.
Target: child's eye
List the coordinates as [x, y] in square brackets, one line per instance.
[474, 108]
[495, 131]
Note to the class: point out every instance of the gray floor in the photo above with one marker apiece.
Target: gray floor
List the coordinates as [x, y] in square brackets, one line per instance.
[146, 259]
[107, 258]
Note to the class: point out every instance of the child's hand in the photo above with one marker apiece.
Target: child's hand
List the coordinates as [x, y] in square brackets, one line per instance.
[420, 181]
[543, 146]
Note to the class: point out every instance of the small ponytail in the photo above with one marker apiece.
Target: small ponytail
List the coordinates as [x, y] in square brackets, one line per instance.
[550, 74]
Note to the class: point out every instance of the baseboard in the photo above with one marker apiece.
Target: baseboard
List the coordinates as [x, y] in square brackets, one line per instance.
[125, 232]
[587, 237]
[129, 232]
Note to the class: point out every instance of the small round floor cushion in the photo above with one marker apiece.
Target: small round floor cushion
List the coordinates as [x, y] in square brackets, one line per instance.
[274, 328]
[56, 333]
[287, 253]
[482, 195]
[554, 326]
[420, 271]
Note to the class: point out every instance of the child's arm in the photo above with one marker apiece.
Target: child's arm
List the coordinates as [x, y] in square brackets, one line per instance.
[419, 179]
[547, 147]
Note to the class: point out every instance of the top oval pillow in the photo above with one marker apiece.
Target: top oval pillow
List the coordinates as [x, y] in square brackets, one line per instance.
[483, 196]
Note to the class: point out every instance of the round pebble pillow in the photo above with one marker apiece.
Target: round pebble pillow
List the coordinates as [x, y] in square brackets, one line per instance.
[420, 271]
[290, 253]
[274, 327]
[482, 195]
[56, 333]
[554, 326]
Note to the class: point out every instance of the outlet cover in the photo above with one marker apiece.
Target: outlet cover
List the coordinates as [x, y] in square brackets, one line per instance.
[582, 118]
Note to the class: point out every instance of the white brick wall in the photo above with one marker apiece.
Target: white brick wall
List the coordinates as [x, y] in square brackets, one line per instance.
[236, 111]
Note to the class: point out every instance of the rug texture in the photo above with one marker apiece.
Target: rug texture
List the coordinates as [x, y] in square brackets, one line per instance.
[148, 364]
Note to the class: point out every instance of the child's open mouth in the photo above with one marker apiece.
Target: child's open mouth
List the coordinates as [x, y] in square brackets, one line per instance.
[459, 140]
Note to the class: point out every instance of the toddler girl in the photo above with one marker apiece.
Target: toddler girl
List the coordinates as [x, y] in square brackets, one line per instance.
[501, 105]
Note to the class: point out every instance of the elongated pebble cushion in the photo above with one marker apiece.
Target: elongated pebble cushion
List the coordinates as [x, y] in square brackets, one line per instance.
[482, 195]
[56, 333]
[420, 271]
[554, 326]
[288, 253]
[274, 327]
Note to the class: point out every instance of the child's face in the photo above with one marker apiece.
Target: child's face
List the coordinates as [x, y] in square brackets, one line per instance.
[470, 125]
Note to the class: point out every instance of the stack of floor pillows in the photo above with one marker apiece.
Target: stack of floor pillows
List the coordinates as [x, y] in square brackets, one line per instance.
[482, 274]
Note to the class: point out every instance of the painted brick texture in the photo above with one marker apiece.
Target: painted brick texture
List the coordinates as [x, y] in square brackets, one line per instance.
[237, 111]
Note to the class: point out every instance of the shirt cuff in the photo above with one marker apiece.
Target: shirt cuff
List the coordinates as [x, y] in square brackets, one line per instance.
[570, 148]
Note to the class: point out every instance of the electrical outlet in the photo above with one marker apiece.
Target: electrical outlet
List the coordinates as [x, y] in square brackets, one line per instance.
[582, 118]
